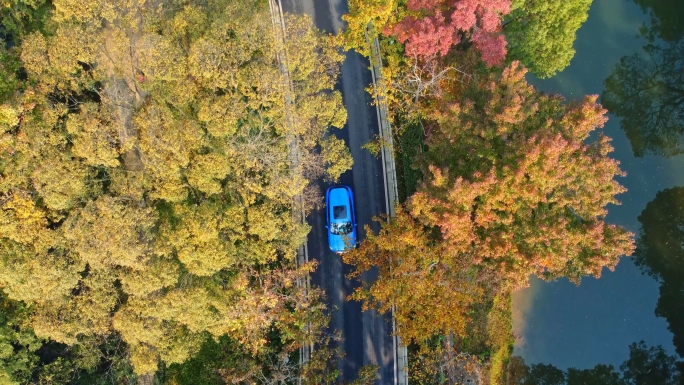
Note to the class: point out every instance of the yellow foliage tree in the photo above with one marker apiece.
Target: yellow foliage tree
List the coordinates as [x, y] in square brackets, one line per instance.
[146, 174]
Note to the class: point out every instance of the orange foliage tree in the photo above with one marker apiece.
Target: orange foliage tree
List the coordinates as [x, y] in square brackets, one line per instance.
[513, 180]
[513, 186]
[433, 289]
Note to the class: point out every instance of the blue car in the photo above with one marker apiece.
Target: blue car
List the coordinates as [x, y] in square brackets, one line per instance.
[340, 218]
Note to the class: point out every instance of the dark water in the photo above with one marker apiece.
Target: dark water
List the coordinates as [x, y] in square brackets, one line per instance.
[569, 326]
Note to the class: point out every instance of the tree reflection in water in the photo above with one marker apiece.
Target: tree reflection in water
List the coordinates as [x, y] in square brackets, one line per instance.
[645, 366]
[660, 253]
[667, 18]
[647, 92]
[646, 89]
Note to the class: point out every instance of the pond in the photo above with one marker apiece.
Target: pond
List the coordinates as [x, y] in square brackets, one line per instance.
[641, 82]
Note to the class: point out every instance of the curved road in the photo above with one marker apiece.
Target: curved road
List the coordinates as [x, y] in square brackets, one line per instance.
[366, 336]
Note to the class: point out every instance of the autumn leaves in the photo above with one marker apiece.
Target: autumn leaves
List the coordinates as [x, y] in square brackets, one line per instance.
[511, 187]
[514, 182]
[145, 180]
[540, 34]
[156, 210]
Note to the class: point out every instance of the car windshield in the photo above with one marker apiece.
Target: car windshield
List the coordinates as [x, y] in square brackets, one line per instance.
[341, 228]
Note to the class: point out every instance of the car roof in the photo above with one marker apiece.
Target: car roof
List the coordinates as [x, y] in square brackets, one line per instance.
[339, 195]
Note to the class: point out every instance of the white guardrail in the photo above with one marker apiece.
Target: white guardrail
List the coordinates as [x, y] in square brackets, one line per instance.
[302, 256]
[389, 175]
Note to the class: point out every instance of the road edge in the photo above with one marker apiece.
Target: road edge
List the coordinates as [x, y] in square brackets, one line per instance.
[302, 254]
[389, 176]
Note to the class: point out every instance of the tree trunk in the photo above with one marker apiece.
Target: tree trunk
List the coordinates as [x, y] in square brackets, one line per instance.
[146, 379]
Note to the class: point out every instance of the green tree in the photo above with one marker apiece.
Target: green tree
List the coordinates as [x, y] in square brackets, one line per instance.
[541, 34]
[9, 71]
[19, 17]
[17, 345]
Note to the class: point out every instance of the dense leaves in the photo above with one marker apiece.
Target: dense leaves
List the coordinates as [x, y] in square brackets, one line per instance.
[432, 27]
[512, 180]
[541, 33]
[19, 17]
[17, 345]
[9, 71]
[146, 176]
[367, 18]
[431, 287]
[26, 359]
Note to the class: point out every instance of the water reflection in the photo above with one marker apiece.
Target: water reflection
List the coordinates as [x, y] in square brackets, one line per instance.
[647, 92]
[660, 253]
[667, 18]
[645, 366]
[570, 326]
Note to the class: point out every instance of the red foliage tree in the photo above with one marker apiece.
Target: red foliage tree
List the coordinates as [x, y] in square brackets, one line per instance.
[432, 27]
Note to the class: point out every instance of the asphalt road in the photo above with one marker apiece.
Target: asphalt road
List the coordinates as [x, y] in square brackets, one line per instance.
[366, 336]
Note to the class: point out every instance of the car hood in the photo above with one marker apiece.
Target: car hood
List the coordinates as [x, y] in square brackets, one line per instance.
[337, 244]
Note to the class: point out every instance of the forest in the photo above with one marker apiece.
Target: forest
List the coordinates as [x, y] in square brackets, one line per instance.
[500, 181]
[149, 227]
[147, 189]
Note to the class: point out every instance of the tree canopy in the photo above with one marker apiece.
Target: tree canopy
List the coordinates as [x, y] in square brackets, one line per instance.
[432, 288]
[541, 34]
[146, 181]
[511, 179]
[431, 27]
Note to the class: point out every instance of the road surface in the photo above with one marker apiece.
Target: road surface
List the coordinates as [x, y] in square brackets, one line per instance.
[366, 336]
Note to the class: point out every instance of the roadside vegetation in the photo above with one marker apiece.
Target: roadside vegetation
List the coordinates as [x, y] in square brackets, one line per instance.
[498, 181]
[147, 232]
[146, 192]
